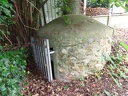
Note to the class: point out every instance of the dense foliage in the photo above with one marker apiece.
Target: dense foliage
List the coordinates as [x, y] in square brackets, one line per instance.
[5, 17]
[12, 72]
[12, 62]
[107, 3]
[63, 7]
[5, 12]
[98, 3]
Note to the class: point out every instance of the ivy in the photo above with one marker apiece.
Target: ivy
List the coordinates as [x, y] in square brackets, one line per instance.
[63, 7]
[12, 62]
[63, 10]
[5, 12]
[12, 71]
[98, 3]
[6, 9]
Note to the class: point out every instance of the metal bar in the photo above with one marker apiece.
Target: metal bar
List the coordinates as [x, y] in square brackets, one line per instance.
[40, 57]
[44, 60]
[44, 68]
[50, 77]
[49, 59]
[51, 52]
[42, 63]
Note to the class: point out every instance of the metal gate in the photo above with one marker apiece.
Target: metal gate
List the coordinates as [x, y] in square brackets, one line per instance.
[42, 56]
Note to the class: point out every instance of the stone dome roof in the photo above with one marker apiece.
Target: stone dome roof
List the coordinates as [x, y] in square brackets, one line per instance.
[80, 30]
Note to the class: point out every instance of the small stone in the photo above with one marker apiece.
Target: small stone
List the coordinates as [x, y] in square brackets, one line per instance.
[64, 51]
[70, 63]
[99, 66]
[61, 70]
[72, 58]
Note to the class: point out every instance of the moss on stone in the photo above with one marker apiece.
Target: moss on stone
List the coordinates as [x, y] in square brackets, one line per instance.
[79, 31]
[78, 46]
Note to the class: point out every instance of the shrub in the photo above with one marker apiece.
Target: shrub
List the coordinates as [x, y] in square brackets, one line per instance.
[12, 71]
[6, 10]
[98, 3]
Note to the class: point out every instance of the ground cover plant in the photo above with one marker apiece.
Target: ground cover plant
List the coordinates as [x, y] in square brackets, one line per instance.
[12, 71]
[12, 58]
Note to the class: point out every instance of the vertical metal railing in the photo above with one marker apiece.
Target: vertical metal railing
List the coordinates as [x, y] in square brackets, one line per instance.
[42, 56]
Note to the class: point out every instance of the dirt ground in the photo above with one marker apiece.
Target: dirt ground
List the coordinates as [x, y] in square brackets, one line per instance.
[94, 85]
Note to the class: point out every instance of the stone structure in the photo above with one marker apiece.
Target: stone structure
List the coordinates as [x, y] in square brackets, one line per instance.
[79, 47]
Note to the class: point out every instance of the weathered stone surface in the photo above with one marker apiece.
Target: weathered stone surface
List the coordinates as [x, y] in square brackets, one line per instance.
[79, 47]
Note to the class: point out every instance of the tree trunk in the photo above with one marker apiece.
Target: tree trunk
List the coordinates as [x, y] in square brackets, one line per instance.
[26, 20]
[74, 6]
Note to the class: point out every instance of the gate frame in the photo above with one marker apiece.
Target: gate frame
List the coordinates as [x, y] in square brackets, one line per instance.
[41, 52]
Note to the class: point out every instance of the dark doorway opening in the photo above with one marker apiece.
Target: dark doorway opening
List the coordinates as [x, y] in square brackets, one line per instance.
[52, 62]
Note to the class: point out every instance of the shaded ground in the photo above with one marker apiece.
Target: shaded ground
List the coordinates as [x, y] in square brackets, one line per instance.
[95, 85]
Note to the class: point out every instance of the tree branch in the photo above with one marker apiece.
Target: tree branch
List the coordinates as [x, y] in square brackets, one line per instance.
[6, 37]
[39, 4]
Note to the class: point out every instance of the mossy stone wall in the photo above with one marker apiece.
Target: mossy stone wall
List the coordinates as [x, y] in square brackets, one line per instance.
[79, 47]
